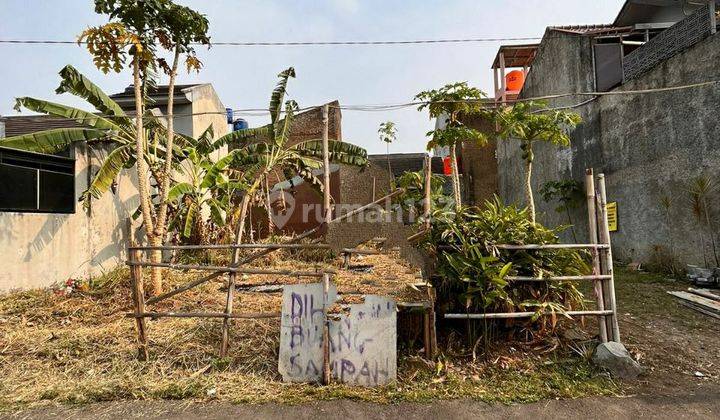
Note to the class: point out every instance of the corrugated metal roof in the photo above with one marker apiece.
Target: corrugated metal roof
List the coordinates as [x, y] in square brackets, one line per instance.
[516, 55]
[26, 124]
[600, 29]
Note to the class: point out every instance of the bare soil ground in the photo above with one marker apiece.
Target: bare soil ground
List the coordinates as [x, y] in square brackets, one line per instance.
[58, 352]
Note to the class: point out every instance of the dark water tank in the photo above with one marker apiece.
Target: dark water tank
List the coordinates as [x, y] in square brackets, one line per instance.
[239, 124]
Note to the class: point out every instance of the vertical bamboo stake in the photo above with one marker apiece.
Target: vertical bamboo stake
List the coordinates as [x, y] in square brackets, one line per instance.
[433, 331]
[373, 190]
[428, 186]
[326, 331]
[605, 236]
[228, 311]
[592, 232]
[271, 227]
[138, 294]
[426, 333]
[326, 167]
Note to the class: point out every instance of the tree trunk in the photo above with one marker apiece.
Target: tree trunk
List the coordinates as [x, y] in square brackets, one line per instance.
[271, 225]
[160, 228]
[455, 177]
[528, 187]
[710, 231]
[387, 155]
[572, 226]
[141, 164]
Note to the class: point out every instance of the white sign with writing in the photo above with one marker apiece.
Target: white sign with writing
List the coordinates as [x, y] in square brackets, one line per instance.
[363, 344]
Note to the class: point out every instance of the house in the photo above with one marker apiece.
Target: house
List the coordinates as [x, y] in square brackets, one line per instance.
[47, 236]
[649, 144]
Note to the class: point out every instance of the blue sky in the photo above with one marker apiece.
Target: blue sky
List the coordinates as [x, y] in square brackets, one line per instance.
[245, 76]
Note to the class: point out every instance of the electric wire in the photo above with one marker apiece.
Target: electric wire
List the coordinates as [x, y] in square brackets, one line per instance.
[490, 103]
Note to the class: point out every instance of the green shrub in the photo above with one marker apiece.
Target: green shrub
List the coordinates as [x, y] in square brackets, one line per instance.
[472, 271]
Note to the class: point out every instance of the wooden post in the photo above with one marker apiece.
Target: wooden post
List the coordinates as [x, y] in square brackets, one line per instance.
[713, 18]
[326, 166]
[427, 203]
[326, 331]
[426, 333]
[433, 328]
[373, 190]
[138, 294]
[593, 235]
[605, 237]
[271, 227]
[503, 82]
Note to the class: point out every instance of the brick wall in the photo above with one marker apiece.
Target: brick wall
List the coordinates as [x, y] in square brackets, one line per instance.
[478, 165]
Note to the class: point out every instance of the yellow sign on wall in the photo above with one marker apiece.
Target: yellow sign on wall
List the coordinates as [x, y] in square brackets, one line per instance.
[612, 214]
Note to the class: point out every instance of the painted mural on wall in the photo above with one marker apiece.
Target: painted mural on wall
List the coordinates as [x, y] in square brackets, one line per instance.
[363, 348]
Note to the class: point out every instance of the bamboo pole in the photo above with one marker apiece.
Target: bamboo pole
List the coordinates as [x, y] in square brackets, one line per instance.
[426, 333]
[232, 246]
[593, 234]
[259, 254]
[427, 203]
[327, 211]
[138, 295]
[552, 246]
[154, 315]
[605, 238]
[509, 315]
[559, 278]
[235, 270]
[433, 331]
[326, 331]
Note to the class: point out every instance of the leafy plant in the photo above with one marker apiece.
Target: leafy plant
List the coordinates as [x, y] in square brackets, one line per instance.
[530, 122]
[388, 134]
[260, 151]
[201, 188]
[111, 127]
[135, 29]
[414, 185]
[473, 272]
[569, 194]
[448, 104]
[700, 188]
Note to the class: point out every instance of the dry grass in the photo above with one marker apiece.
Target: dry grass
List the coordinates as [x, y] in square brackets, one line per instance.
[80, 348]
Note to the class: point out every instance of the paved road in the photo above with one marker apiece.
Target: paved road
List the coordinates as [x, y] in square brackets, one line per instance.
[703, 403]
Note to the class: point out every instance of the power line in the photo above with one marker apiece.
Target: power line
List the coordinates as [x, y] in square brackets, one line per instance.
[404, 105]
[304, 43]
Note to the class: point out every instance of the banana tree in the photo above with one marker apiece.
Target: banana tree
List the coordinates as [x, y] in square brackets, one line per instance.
[201, 187]
[110, 126]
[530, 122]
[262, 150]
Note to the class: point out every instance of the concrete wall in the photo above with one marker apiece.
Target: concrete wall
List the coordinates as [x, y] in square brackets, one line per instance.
[40, 249]
[649, 146]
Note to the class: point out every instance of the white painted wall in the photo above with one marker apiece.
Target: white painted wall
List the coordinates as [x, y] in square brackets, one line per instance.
[40, 249]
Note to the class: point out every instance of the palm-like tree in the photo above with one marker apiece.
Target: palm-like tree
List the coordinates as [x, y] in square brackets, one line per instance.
[449, 104]
[530, 122]
[110, 125]
[388, 134]
[262, 150]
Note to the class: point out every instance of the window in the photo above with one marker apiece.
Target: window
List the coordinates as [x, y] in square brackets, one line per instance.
[33, 182]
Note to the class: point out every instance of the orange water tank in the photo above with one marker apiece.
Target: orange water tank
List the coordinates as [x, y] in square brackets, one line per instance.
[514, 80]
